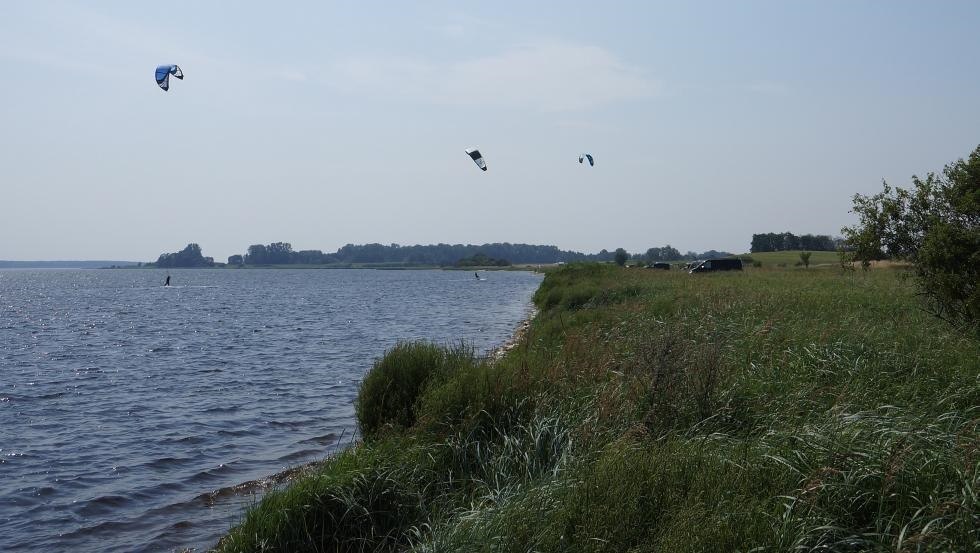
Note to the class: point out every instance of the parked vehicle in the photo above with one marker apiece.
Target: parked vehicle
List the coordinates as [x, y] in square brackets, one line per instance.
[711, 265]
[660, 265]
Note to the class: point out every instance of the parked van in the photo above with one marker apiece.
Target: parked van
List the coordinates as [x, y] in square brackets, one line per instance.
[711, 265]
[660, 265]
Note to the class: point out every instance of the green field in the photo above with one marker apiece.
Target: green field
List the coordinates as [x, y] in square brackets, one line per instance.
[662, 411]
[791, 258]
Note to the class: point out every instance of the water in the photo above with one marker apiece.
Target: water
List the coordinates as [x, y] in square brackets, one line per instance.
[136, 418]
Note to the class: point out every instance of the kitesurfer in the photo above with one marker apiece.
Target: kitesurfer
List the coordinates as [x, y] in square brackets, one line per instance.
[477, 275]
[167, 283]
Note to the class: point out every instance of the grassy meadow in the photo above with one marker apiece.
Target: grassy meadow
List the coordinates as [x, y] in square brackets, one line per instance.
[792, 257]
[764, 410]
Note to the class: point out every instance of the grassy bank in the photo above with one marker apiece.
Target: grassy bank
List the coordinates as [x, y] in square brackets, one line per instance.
[659, 411]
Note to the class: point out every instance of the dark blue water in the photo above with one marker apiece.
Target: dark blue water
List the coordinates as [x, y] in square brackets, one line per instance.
[137, 418]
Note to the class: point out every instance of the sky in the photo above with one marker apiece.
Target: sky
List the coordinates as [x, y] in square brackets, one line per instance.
[327, 123]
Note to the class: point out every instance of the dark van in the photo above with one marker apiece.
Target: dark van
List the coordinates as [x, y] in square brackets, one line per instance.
[660, 265]
[711, 265]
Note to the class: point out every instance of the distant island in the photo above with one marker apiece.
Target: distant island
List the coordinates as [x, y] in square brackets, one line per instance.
[394, 255]
[65, 264]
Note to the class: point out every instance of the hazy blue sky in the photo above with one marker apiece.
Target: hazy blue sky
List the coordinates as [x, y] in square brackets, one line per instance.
[327, 123]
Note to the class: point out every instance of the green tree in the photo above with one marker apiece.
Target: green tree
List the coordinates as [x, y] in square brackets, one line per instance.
[256, 255]
[805, 258]
[188, 257]
[620, 257]
[935, 225]
[666, 253]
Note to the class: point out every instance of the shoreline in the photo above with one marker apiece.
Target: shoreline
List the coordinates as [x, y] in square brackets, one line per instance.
[523, 327]
[617, 423]
[287, 476]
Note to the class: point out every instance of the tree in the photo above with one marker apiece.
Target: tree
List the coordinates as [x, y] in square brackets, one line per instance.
[935, 225]
[187, 257]
[666, 253]
[279, 252]
[805, 258]
[784, 241]
[236, 260]
[256, 255]
[620, 257]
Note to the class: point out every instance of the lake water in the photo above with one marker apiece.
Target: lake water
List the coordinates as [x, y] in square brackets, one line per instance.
[135, 417]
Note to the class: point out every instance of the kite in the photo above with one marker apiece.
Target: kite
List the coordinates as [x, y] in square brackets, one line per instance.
[477, 158]
[164, 72]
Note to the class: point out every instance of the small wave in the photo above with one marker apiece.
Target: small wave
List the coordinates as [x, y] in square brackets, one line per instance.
[326, 439]
[234, 432]
[301, 454]
[187, 440]
[210, 474]
[222, 409]
[166, 462]
[109, 527]
[255, 486]
[52, 395]
[103, 505]
[45, 491]
[292, 425]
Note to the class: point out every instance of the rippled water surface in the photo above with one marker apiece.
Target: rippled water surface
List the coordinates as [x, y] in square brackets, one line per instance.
[131, 414]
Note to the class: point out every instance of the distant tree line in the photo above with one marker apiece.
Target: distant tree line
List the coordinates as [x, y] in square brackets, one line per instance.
[281, 253]
[786, 241]
[480, 260]
[65, 264]
[443, 255]
[670, 253]
[187, 257]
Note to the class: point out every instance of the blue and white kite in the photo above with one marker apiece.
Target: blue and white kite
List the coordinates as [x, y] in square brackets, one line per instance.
[164, 72]
[583, 157]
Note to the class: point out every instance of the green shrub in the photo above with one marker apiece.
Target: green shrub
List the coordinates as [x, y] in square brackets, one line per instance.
[365, 499]
[935, 225]
[581, 286]
[390, 391]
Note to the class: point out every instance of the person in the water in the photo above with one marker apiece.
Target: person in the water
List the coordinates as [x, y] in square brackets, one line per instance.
[168, 281]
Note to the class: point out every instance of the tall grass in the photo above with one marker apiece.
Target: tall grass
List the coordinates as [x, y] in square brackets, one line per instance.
[656, 411]
[389, 393]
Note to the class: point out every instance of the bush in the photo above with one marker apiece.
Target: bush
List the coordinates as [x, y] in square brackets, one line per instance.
[935, 225]
[390, 391]
[805, 259]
